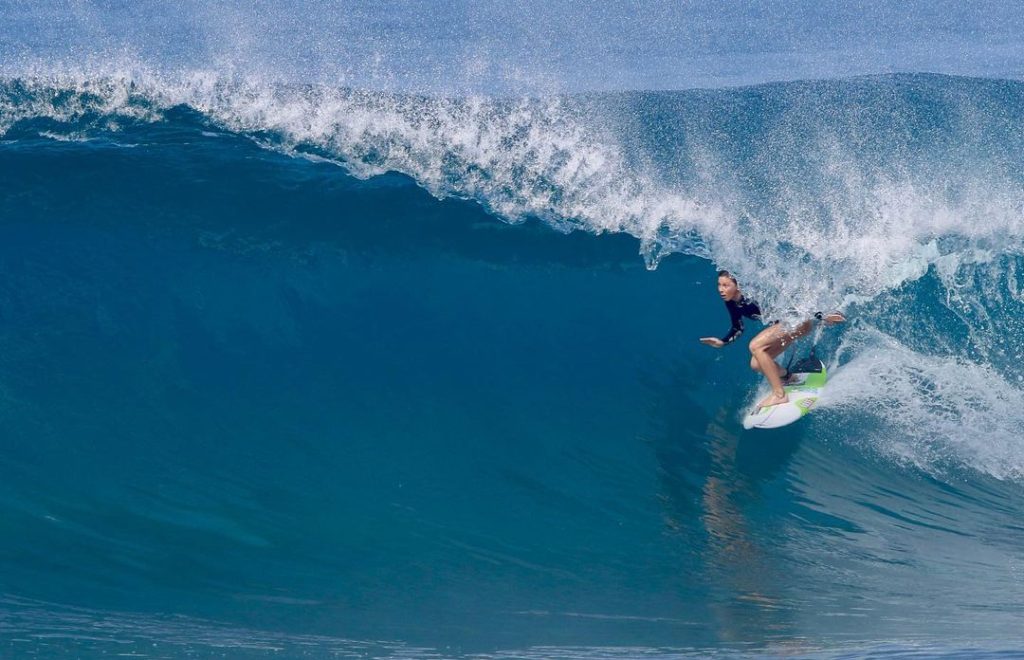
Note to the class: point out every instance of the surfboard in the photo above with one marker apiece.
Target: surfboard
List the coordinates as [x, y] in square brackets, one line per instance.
[804, 391]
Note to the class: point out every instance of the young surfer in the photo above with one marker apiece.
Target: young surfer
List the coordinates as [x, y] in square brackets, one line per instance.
[769, 343]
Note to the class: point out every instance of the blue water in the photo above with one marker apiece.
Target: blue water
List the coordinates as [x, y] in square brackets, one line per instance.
[300, 368]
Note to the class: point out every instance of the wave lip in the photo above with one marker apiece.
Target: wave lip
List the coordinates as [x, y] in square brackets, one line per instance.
[817, 194]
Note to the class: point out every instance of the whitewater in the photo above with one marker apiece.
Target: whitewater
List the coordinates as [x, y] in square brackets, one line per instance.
[389, 349]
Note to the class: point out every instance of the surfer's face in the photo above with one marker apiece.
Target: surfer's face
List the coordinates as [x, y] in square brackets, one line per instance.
[727, 288]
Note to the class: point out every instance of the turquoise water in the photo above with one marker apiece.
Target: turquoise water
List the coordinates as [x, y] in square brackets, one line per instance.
[309, 370]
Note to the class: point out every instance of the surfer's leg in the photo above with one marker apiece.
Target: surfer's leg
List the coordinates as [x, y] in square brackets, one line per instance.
[761, 349]
[784, 375]
[785, 338]
[768, 345]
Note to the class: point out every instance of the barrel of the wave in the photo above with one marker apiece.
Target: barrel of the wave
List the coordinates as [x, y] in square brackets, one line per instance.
[808, 382]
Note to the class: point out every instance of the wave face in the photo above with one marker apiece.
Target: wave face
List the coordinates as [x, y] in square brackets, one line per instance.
[307, 367]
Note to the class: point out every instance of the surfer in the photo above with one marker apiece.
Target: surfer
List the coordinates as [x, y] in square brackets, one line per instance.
[769, 343]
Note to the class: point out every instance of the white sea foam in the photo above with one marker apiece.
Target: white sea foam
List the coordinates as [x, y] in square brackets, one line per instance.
[837, 226]
[520, 158]
[934, 411]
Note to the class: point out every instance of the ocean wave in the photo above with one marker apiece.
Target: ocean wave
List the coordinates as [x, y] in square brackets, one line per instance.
[817, 194]
[244, 362]
[939, 413]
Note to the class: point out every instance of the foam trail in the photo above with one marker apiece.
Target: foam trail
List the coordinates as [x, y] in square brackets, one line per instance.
[935, 412]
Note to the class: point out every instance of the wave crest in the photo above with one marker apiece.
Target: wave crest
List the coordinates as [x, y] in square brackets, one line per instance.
[817, 195]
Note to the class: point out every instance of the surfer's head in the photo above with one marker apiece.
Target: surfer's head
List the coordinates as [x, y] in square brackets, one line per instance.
[728, 287]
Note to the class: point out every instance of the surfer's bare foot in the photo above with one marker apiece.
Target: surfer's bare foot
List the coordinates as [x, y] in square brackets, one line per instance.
[773, 400]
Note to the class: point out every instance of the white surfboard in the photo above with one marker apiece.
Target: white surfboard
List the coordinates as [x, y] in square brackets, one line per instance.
[805, 390]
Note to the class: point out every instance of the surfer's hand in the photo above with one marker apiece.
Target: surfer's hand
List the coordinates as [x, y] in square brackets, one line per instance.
[713, 342]
[834, 317]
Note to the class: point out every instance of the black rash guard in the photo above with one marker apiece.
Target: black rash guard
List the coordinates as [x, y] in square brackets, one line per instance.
[750, 309]
[737, 310]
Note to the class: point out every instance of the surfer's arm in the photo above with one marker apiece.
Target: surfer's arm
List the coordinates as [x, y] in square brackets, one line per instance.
[734, 332]
[831, 318]
[736, 316]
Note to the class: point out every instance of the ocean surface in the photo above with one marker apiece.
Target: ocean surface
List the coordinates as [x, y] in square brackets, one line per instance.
[327, 368]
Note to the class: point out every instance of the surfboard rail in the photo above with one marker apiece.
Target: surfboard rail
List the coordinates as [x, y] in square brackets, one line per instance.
[803, 394]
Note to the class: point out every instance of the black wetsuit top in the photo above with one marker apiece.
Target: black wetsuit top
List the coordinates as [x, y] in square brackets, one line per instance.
[750, 309]
[737, 310]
